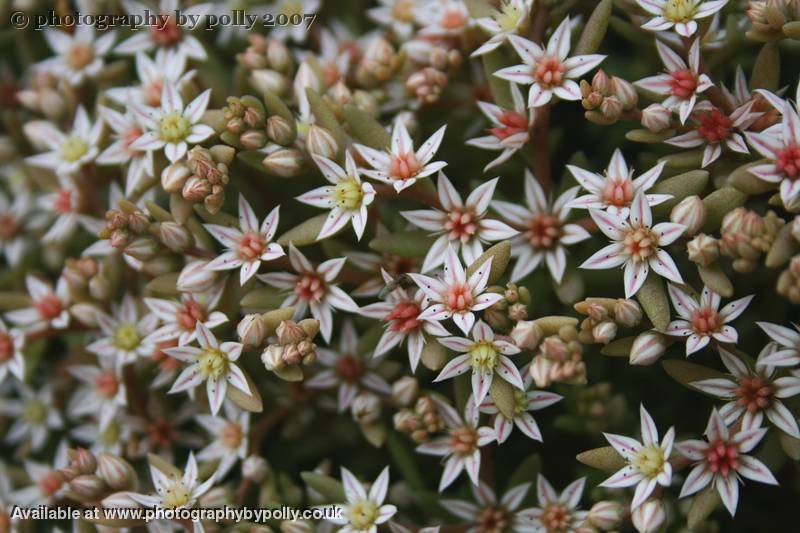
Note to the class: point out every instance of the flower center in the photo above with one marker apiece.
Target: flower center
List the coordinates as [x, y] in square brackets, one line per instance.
[512, 122]
[404, 166]
[650, 461]
[79, 56]
[151, 92]
[453, 19]
[174, 128]
[555, 518]
[310, 288]
[106, 384]
[348, 194]
[722, 457]
[127, 138]
[680, 10]
[520, 402]
[464, 440]
[483, 356]
[35, 412]
[403, 10]
[231, 436]
[683, 83]
[715, 126]
[754, 392]
[190, 314]
[165, 362]
[126, 337]
[6, 347]
[363, 514]
[705, 321]
[492, 520]
[788, 161]
[213, 362]
[176, 495]
[508, 16]
[404, 317]
[50, 483]
[618, 191]
[161, 433]
[458, 298]
[73, 149]
[461, 224]
[349, 368]
[49, 307]
[167, 32]
[640, 244]
[9, 226]
[251, 246]
[544, 231]
[549, 72]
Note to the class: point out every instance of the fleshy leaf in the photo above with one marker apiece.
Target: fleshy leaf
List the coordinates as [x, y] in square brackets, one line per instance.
[605, 458]
[618, 347]
[366, 129]
[686, 373]
[500, 254]
[330, 489]
[595, 29]
[703, 504]
[718, 204]
[404, 243]
[715, 279]
[681, 186]
[503, 395]
[655, 303]
[304, 233]
[767, 68]
[251, 402]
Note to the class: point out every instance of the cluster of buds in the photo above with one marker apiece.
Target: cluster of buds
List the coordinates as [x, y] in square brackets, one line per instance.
[427, 84]
[85, 276]
[91, 478]
[511, 309]
[769, 16]
[295, 345]
[604, 316]
[379, 63]
[746, 235]
[444, 59]
[789, 281]
[244, 123]
[559, 359]
[44, 95]
[124, 225]
[202, 177]
[420, 421]
[263, 53]
[606, 98]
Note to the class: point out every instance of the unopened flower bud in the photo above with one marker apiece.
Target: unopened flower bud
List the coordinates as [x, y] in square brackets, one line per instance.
[196, 277]
[703, 250]
[174, 177]
[251, 330]
[272, 358]
[278, 55]
[85, 461]
[321, 142]
[253, 139]
[280, 131]
[625, 93]
[88, 487]
[100, 288]
[195, 189]
[601, 83]
[691, 212]
[606, 515]
[285, 163]
[255, 468]
[117, 473]
[649, 517]
[265, 80]
[627, 313]
[85, 313]
[290, 332]
[656, 118]
[647, 348]
[174, 236]
[526, 334]
[405, 390]
[366, 408]
[604, 332]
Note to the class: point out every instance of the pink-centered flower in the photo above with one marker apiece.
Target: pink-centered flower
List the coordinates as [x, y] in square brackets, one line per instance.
[647, 461]
[11, 362]
[248, 246]
[167, 34]
[102, 394]
[347, 197]
[701, 321]
[213, 363]
[49, 307]
[638, 245]
[485, 355]
[443, 18]
[544, 231]
[614, 191]
[401, 166]
[555, 512]
[681, 83]
[682, 15]
[549, 71]
[722, 461]
[400, 311]
[754, 393]
[168, 67]
[79, 55]
[126, 130]
[180, 319]
[490, 514]
[460, 225]
[461, 446]
[312, 287]
[510, 129]
[172, 127]
[456, 296]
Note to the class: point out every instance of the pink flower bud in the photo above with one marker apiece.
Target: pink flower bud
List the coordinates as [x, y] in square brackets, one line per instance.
[691, 212]
[255, 468]
[604, 332]
[285, 163]
[319, 141]
[366, 408]
[251, 330]
[647, 348]
[627, 313]
[280, 131]
[606, 515]
[174, 236]
[174, 176]
[526, 334]
[656, 118]
[88, 487]
[405, 390]
[117, 473]
[649, 517]
[196, 277]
